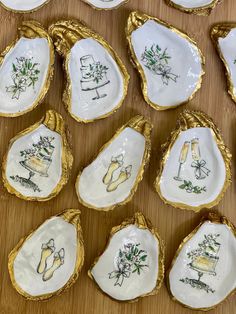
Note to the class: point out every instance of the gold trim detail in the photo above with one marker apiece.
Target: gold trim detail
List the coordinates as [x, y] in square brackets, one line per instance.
[218, 31]
[53, 121]
[144, 127]
[140, 221]
[71, 216]
[136, 20]
[105, 9]
[187, 120]
[32, 30]
[65, 34]
[202, 10]
[213, 217]
[23, 11]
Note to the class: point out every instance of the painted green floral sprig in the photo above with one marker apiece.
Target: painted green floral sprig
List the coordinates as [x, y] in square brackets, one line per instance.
[190, 188]
[25, 73]
[44, 145]
[156, 60]
[97, 71]
[130, 260]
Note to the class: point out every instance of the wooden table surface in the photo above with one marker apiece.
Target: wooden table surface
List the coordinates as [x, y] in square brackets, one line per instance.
[18, 217]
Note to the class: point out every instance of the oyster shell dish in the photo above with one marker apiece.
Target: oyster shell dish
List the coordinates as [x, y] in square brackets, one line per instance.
[97, 80]
[23, 6]
[200, 7]
[48, 261]
[38, 162]
[26, 70]
[202, 273]
[112, 178]
[195, 168]
[168, 60]
[132, 265]
[105, 4]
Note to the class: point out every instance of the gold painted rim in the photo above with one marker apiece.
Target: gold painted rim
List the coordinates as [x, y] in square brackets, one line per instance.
[71, 216]
[65, 34]
[53, 121]
[211, 217]
[31, 30]
[106, 9]
[24, 11]
[137, 19]
[221, 30]
[144, 127]
[187, 120]
[141, 222]
[202, 10]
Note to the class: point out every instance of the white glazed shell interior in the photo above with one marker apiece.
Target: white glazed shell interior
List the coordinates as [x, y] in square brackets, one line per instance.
[136, 285]
[210, 153]
[38, 49]
[13, 166]
[105, 4]
[193, 3]
[223, 282]
[90, 186]
[228, 51]
[83, 106]
[23, 5]
[27, 260]
[185, 62]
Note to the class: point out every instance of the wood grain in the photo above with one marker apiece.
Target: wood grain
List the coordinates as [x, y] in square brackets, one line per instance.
[18, 217]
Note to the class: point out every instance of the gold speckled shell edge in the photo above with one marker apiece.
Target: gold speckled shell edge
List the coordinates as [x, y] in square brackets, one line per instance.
[137, 19]
[187, 120]
[203, 10]
[71, 216]
[213, 217]
[221, 30]
[144, 127]
[54, 122]
[22, 11]
[105, 9]
[65, 34]
[32, 29]
[141, 222]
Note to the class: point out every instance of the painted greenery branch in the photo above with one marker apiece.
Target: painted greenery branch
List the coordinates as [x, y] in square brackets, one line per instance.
[25, 73]
[43, 145]
[130, 260]
[156, 60]
[190, 188]
[97, 71]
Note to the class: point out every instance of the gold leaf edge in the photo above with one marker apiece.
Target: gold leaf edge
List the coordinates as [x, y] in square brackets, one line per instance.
[141, 222]
[146, 156]
[53, 121]
[202, 10]
[42, 33]
[199, 119]
[221, 30]
[71, 216]
[106, 9]
[130, 28]
[86, 32]
[213, 217]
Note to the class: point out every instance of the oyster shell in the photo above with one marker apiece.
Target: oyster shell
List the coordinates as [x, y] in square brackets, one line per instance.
[50, 258]
[38, 161]
[97, 80]
[118, 274]
[23, 6]
[112, 178]
[202, 273]
[169, 62]
[200, 7]
[223, 37]
[26, 69]
[105, 4]
[195, 167]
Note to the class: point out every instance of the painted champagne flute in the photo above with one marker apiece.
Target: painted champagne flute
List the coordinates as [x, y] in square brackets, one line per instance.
[182, 159]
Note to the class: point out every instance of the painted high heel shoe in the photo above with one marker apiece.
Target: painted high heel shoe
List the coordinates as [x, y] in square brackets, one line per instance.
[116, 163]
[125, 174]
[47, 250]
[57, 262]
